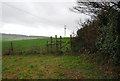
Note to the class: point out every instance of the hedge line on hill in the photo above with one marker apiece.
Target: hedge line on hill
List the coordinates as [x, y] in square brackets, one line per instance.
[100, 35]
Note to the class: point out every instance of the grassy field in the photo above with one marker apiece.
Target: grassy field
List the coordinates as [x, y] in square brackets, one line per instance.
[28, 45]
[50, 67]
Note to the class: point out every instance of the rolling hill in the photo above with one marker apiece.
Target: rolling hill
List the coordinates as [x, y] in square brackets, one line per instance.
[9, 37]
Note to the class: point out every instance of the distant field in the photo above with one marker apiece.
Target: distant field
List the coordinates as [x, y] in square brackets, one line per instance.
[27, 45]
[14, 38]
[11, 37]
[50, 67]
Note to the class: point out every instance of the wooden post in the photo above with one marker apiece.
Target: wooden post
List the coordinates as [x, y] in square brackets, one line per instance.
[71, 43]
[60, 42]
[11, 48]
[47, 46]
[56, 43]
[51, 41]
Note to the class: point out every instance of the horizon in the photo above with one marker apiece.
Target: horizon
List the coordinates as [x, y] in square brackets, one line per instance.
[31, 35]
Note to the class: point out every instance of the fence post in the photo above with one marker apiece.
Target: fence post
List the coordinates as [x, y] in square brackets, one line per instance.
[60, 42]
[47, 46]
[71, 43]
[11, 48]
[56, 43]
[51, 43]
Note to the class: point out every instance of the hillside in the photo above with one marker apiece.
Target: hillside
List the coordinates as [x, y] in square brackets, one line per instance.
[8, 37]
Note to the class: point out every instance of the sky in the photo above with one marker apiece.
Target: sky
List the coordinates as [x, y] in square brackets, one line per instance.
[40, 18]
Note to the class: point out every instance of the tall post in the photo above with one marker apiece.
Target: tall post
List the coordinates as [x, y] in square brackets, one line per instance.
[60, 42]
[11, 48]
[71, 43]
[51, 43]
[47, 46]
[56, 42]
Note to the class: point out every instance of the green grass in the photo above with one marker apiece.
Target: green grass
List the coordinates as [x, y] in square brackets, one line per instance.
[28, 46]
[49, 67]
[19, 45]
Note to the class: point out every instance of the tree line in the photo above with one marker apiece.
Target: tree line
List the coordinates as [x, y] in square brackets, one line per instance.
[100, 34]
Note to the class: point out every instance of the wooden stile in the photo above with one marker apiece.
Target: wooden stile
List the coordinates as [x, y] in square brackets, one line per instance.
[56, 44]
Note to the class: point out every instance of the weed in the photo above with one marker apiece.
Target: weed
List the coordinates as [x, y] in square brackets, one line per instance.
[40, 70]
[40, 73]
[60, 73]
[87, 66]
[21, 75]
[32, 66]
[5, 69]
[70, 65]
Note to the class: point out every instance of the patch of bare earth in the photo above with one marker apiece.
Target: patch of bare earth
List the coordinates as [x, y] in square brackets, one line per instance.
[72, 73]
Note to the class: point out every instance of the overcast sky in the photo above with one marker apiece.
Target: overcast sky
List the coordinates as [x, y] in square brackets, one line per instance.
[39, 18]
